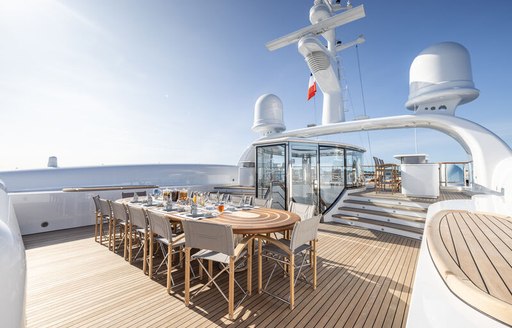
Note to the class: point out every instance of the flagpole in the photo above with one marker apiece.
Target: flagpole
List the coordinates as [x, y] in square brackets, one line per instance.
[312, 93]
[314, 110]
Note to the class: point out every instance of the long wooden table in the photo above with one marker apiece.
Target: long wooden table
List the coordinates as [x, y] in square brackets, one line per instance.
[252, 222]
[247, 221]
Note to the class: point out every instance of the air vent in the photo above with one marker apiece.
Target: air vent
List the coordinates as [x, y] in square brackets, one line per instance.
[317, 61]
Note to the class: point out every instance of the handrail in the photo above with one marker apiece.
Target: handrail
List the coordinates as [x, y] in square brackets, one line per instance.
[335, 202]
[467, 162]
[107, 188]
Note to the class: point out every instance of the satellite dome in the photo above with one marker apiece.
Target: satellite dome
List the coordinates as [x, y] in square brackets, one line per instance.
[268, 115]
[440, 79]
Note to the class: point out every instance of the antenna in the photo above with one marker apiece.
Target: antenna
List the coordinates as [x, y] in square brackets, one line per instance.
[318, 28]
[320, 59]
[342, 46]
[336, 6]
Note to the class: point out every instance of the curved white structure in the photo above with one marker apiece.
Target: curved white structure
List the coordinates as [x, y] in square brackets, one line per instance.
[12, 266]
[432, 303]
[491, 156]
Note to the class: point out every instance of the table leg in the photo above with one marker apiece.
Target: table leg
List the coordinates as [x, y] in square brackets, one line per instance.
[260, 282]
[249, 267]
[187, 276]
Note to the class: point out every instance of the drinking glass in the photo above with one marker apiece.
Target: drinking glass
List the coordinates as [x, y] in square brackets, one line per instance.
[175, 195]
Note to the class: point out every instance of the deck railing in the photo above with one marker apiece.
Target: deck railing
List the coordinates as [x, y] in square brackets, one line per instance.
[450, 173]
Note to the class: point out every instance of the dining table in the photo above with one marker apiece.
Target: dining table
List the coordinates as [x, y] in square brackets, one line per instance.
[246, 220]
[250, 221]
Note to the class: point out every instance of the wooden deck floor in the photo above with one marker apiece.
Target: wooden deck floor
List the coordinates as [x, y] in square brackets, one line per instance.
[444, 194]
[364, 280]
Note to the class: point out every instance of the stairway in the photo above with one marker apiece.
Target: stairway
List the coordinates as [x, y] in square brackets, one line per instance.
[398, 215]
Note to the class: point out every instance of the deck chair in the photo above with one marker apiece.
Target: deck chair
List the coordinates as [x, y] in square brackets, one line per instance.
[247, 200]
[305, 211]
[170, 244]
[98, 217]
[236, 200]
[139, 227]
[216, 243]
[261, 202]
[291, 255]
[120, 220]
[106, 214]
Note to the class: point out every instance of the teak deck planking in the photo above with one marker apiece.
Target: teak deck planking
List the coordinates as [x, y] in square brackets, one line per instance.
[364, 279]
[473, 255]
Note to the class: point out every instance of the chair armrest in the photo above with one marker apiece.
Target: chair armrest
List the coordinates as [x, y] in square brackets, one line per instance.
[179, 237]
[242, 244]
[276, 242]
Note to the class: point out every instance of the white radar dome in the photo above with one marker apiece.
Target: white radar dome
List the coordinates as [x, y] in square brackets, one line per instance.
[268, 115]
[440, 79]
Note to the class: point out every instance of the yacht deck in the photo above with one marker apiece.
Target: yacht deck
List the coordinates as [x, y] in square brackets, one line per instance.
[444, 194]
[364, 279]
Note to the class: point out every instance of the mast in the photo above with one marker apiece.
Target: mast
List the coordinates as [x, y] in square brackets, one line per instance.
[321, 59]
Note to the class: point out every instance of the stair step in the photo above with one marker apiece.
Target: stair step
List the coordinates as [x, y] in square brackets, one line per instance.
[386, 205]
[378, 225]
[389, 195]
[416, 203]
[355, 211]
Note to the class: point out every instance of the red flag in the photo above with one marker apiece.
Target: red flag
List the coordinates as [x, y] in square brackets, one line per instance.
[311, 87]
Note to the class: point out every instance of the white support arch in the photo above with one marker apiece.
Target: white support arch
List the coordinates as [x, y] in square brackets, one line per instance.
[492, 157]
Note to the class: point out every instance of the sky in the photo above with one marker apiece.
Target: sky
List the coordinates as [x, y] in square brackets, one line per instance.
[134, 82]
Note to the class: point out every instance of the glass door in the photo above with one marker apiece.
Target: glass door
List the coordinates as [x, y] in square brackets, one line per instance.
[332, 175]
[271, 174]
[353, 170]
[304, 173]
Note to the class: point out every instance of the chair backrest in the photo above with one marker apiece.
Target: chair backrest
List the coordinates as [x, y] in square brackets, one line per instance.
[105, 207]
[262, 202]
[376, 160]
[213, 196]
[138, 217]
[269, 202]
[247, 200]
[211, 236]
[305, 211]
[96, 200]
[160, 225]
[236, 200]
[119, 211]
[304, 231]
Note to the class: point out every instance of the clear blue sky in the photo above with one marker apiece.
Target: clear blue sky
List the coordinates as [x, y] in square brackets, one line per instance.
[125, 82]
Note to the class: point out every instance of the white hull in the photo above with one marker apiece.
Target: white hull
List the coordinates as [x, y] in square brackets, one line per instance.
[41, 204]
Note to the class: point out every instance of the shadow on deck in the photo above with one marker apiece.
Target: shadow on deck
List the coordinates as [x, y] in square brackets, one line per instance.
[364, 279]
